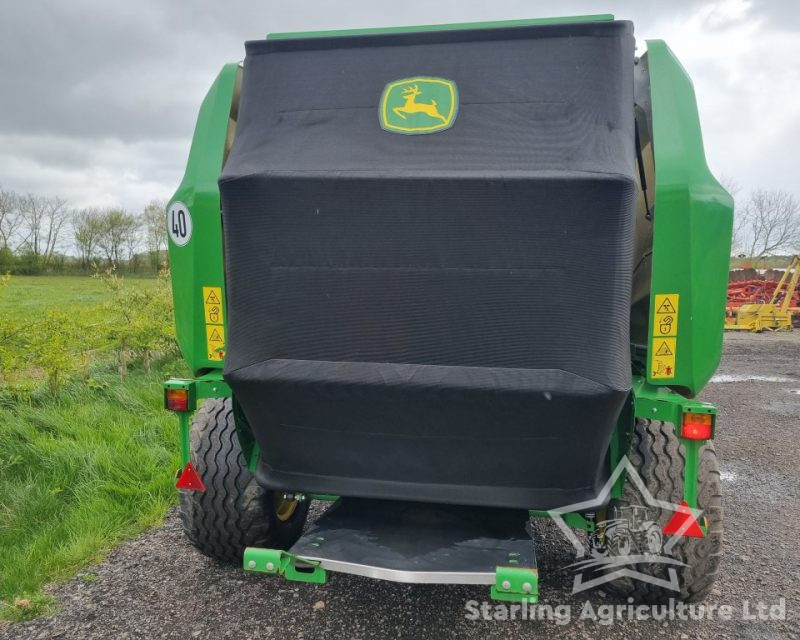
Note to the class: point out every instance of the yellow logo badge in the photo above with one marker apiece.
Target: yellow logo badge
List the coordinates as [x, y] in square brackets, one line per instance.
[418, 105]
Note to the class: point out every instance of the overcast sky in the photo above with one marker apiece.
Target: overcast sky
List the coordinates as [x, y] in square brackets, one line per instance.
[98, 99]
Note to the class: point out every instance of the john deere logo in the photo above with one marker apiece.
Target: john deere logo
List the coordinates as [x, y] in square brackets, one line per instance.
[419, 105]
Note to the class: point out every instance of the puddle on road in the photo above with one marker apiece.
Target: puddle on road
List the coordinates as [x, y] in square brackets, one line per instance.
[738, 377]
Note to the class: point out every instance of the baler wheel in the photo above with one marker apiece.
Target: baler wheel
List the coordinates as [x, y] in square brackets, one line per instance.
[233, 512]
[659, 458]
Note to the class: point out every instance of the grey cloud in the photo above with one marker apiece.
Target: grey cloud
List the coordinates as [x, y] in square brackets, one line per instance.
[98, 99]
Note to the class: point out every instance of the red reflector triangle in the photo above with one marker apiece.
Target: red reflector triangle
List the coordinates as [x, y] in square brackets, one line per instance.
[190, 480]
[679, 518]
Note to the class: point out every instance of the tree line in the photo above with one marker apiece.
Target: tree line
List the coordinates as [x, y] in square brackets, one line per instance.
[43, 234]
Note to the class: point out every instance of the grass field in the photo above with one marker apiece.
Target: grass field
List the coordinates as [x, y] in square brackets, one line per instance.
[84, 469]
[26, 295]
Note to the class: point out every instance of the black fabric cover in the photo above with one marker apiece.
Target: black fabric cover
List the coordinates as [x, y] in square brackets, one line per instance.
[438, 317]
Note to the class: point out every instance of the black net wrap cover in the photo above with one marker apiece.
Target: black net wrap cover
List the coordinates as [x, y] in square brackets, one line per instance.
[438, 317]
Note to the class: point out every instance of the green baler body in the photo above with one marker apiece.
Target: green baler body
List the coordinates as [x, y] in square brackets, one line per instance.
[692, 222]
[199, 263]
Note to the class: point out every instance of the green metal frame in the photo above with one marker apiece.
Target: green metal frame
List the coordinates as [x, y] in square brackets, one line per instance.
[458, 26]
[515, 584]
[512, 584]
[283, 563]
[661, 403]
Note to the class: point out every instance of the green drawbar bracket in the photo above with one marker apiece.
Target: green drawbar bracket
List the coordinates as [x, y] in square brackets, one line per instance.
[660, 403]
[515, 584]
[284, 564]
[209, 386]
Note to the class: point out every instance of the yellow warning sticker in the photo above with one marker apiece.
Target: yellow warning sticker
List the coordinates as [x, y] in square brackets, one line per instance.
[666, 316]
[215, 341]
[665, 336]
[663, 358]
[215, 329]
[212, 304]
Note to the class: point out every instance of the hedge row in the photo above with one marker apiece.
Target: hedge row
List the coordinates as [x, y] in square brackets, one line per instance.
[132, 325]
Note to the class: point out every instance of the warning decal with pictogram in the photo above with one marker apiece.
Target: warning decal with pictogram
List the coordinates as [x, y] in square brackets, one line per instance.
[663, 359]
[212, 305]
[215, 340]
[215, 328]
[665, 322]
[663, 349]
[666, 305]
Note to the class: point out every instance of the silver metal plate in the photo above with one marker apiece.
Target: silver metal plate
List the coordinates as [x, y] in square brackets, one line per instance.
[417, 542]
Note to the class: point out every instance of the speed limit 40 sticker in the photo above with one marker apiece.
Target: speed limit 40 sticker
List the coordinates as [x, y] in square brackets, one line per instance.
[179, 223]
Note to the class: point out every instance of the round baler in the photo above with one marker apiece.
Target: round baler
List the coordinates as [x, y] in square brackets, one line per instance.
[452, 279]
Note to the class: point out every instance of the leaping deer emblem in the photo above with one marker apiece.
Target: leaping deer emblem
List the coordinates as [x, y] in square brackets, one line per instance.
[411, 106]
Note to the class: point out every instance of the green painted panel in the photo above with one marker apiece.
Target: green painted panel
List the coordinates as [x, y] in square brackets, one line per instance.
[693, 221]
[196, 256]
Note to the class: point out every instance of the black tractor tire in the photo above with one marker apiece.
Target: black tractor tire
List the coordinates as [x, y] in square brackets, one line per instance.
[234, 511]
[659, 457]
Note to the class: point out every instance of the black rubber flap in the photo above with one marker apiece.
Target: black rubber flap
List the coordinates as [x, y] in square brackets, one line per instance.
[415, 542]
[439, 317]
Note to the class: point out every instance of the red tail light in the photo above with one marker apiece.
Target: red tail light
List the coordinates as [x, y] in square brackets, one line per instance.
[177, 399]
[697, 426]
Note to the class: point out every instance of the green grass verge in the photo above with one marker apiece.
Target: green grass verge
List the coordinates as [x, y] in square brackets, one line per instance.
[78, 474]
[28, 295]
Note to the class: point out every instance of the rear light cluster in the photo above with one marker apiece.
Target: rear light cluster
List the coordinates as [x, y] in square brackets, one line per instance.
[697, 426]
[177, 399]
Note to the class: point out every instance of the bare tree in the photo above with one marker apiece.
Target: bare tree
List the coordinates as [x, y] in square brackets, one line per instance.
[44, 220]
[10, 217]
[733, 187]
[117, 228]
[155, 226]
[88, 228]
[133, 243]
[770, 223]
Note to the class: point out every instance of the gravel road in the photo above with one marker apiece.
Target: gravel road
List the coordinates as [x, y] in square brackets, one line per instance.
[157, 586]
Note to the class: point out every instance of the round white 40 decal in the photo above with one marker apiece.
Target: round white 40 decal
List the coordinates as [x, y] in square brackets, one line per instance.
[179, 223]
